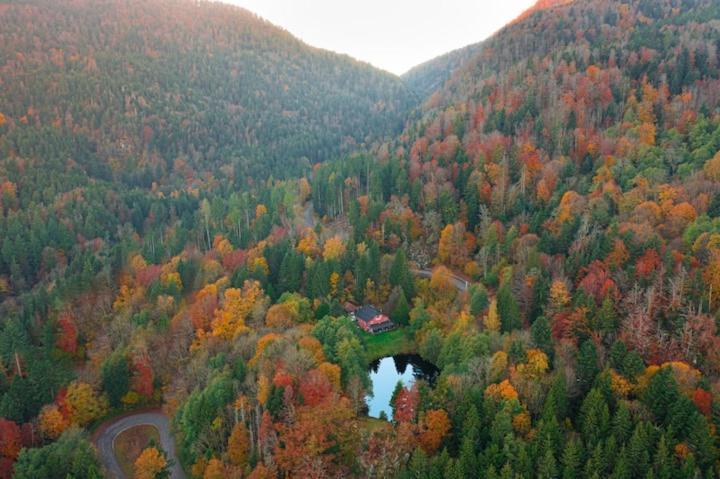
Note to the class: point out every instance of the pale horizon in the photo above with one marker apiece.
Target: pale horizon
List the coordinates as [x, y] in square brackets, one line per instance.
[392, 35]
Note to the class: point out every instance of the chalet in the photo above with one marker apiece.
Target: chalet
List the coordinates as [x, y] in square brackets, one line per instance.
[372, 320]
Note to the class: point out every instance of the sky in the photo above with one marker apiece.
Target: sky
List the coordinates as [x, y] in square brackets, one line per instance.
[394, 35]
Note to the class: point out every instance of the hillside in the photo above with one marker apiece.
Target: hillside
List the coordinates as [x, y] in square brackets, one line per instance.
[426, 78]
[544, 231]
[173, 96]
[570, 167]
[145, 84]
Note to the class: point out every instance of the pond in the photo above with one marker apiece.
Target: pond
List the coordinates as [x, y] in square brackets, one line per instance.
[387, 371]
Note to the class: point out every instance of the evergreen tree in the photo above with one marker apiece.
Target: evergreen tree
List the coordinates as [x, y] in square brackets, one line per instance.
[607, 320]
[663, 462]
[547, 469]
[478, 300]
[594, 418]
[701, 442]
[661, 394]
[508, 308]
[467, 463]
[587, 365]
[622, 424]
[638, 449]
[571, 460]
[115, 375]
[401, 313]
[70, 456]
[621, 469]
[617, 354]
[542, 335]
[400, 274]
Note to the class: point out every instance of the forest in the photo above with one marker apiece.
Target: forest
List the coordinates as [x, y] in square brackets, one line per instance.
[190, 198]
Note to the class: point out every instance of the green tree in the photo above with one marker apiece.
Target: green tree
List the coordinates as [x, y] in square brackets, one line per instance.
[594, 417]
[115, 376]
[542, 335]
[587, 365]
[547, 469]
[508, 308]
[400, 274]
[401, 313]
[571, 459]
[71, 456]
[478, 299]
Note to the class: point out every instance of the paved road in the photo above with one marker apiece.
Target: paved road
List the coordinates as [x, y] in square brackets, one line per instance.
[457, 281]
[109, 431]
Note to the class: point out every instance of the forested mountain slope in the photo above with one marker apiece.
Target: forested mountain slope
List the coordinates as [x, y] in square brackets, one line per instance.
[570, 170]
[100, 97]
[571, 167]
[429, 76]
[154, 88]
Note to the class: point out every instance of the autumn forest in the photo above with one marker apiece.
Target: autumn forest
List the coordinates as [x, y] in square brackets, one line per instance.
[198, 211]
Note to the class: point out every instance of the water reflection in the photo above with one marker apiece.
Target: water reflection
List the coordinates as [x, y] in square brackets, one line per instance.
[385, 374]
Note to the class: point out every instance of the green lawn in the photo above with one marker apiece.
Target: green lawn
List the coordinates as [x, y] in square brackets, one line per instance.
[130, 443]
[397, 341]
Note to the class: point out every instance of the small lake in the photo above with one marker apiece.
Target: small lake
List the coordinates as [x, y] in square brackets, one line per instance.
[386, 372]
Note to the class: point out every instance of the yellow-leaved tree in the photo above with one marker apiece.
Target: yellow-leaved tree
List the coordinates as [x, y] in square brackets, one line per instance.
[237, 305]
[492, 320]
[83, 403]
[150, 464]
[334, 248]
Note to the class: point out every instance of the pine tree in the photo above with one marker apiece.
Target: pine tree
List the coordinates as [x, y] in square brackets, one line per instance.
[400, 274]
[622, 424]
[418, 466]
[478, 300]
[556, 401]
[594, 417]
[542, 335]
[701, 442]
[632, 365]
[638, 447]
[571, 460]
[596, 465]
[547, 469]
[467, 463]
[607, 320]
[508, 308]
[116, 377]
[661, 394]
[617, 354]
[663, 462]
[401, 313]
[621, 469]
[587, 365]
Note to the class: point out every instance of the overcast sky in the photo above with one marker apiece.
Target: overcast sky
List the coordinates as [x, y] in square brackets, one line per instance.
[391, 34]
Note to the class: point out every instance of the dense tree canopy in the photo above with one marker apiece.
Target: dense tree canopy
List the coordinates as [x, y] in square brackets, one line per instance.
[191, 201]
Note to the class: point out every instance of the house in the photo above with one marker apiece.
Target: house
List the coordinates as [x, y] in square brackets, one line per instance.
[372, 320]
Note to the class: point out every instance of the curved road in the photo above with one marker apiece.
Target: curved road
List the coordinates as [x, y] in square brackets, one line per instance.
[105, 437]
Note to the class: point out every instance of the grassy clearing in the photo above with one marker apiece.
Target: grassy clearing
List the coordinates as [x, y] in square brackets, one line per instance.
[129, 444]
[397, 341]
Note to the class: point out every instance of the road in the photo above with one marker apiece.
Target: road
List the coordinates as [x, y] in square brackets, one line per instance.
[459, 283]
[107, 433]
